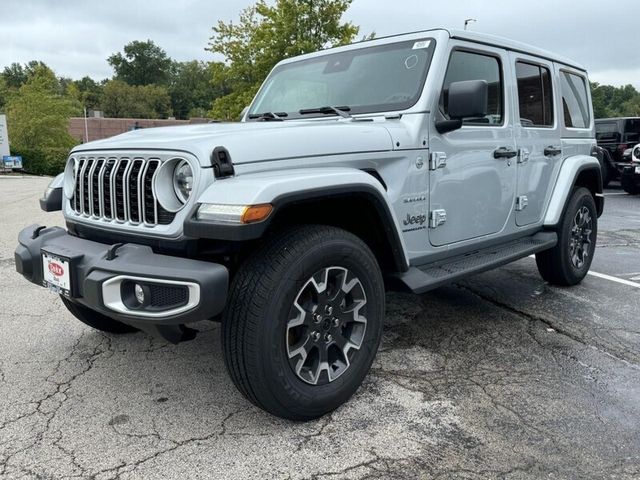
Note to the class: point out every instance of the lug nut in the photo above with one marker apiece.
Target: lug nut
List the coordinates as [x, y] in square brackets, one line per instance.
[328, 309]
[317, 317]
[315, 336]
[328, 337]
[336, 322]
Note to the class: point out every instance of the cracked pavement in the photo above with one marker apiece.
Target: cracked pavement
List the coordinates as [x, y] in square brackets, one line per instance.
[499, 376]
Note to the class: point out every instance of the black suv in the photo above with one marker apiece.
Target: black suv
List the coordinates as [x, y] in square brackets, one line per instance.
[615, 135]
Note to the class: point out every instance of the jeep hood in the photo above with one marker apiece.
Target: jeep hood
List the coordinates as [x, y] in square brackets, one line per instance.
[256, 141]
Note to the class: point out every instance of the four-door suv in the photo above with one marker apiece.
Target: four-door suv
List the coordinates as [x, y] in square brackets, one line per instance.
[615, 136]
[403, 162]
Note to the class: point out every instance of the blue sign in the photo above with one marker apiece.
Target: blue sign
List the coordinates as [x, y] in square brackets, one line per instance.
[12, 162]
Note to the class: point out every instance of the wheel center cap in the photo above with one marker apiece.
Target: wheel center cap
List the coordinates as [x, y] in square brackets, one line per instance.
[326, 325]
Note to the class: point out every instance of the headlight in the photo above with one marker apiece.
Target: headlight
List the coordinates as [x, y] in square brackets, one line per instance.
[70, 175]
[183, 181]
[173, 184]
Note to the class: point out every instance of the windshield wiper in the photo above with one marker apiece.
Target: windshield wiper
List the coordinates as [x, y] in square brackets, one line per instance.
[342, 111]
[269, 116]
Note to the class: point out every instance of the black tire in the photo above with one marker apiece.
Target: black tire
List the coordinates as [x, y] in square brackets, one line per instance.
[608, 172]
[628, 185]
[557, 265]
[256, 325]
[96, 320]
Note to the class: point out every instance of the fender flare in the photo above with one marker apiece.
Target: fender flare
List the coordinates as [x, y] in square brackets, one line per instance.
[283, 189]
[571, 168]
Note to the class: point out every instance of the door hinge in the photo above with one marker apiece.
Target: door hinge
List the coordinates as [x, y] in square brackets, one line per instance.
[521, 203]
[437, 218]
[523, 155]
[437, 160]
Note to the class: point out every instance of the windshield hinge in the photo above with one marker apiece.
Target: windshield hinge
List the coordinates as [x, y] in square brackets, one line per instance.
[437, 160]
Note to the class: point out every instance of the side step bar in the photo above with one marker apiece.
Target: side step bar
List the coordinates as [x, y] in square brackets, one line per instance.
[422, 278]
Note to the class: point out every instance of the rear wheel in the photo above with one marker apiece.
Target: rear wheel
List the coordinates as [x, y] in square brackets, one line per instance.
[569, 261]
[303, 322]
[96, 320]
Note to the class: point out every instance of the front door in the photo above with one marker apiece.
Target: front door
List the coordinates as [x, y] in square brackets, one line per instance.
[537, 136]
[472, 190]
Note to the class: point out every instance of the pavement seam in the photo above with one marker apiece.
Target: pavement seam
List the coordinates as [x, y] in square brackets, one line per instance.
[534, 318]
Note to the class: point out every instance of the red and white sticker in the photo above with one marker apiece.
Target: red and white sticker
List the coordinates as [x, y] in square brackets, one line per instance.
[56, 272]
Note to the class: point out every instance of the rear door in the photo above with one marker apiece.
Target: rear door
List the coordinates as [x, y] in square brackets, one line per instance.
[472, 188]
[538, 136]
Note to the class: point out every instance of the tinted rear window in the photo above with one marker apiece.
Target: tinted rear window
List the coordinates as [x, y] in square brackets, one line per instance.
[607, 131]
[574, 100]
[632, 130]
[535, 99]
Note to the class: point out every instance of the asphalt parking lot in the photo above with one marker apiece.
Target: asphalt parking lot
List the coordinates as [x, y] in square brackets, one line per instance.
[500, 376]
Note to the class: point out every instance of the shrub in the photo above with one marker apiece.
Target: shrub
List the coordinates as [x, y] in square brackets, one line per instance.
[44, 161]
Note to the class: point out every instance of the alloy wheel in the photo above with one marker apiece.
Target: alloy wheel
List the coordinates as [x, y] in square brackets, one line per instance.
[580, 238]
[327, 325]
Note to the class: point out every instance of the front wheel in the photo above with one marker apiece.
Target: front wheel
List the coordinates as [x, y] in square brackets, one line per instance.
[569, 261]
[303, 322]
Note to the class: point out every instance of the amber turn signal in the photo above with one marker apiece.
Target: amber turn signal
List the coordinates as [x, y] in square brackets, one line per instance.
[256, 213]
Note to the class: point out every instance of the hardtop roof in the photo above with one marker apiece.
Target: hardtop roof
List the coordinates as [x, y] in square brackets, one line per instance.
[480, 38]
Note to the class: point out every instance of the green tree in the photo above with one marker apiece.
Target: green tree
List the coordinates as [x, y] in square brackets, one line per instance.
[38, 119]
[143, 63]
[610, 101]
[267, 34]
[14, 75]
[631, 108]
[87, 92]
[191, 89]
[135, 101]
[4, 94]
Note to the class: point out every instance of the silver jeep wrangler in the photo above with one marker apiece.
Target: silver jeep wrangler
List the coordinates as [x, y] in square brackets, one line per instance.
[404, 162]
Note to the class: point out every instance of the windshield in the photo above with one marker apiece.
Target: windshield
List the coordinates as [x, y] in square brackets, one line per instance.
[365, 80]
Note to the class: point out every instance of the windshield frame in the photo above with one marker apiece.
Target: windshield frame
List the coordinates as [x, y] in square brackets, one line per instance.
[357, 109]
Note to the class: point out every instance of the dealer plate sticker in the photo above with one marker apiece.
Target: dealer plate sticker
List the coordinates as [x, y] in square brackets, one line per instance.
[57, 275]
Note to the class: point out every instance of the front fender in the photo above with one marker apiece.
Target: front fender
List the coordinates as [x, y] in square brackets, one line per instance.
[569, 172]
[292, 186]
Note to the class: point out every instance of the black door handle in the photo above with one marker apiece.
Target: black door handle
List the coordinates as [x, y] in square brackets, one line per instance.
[504, 152]
[552, 151]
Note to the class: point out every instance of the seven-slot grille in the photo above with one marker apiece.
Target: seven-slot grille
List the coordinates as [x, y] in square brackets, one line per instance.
[119, 189]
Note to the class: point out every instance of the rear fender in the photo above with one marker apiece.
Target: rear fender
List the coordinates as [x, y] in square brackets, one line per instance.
[570, 171]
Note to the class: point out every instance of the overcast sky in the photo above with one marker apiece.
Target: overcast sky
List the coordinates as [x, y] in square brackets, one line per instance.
[75, 37]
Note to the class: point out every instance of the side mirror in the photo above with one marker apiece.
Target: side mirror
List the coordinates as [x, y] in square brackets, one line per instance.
[468, 99]
[52, 199]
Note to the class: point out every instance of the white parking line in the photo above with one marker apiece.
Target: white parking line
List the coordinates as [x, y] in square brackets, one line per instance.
[604, 276]
[615, 279]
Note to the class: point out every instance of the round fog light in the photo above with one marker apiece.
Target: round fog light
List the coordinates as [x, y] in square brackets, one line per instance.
[139, 292]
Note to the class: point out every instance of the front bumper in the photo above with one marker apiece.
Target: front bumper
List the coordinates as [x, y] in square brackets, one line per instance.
[94, 273]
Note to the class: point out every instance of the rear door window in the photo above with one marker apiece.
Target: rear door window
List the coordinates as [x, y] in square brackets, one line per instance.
[535, 98]
[574, 100]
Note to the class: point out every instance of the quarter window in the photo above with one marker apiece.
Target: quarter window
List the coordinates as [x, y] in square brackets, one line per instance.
[535, 99]
[574, 100]
[474, 66]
